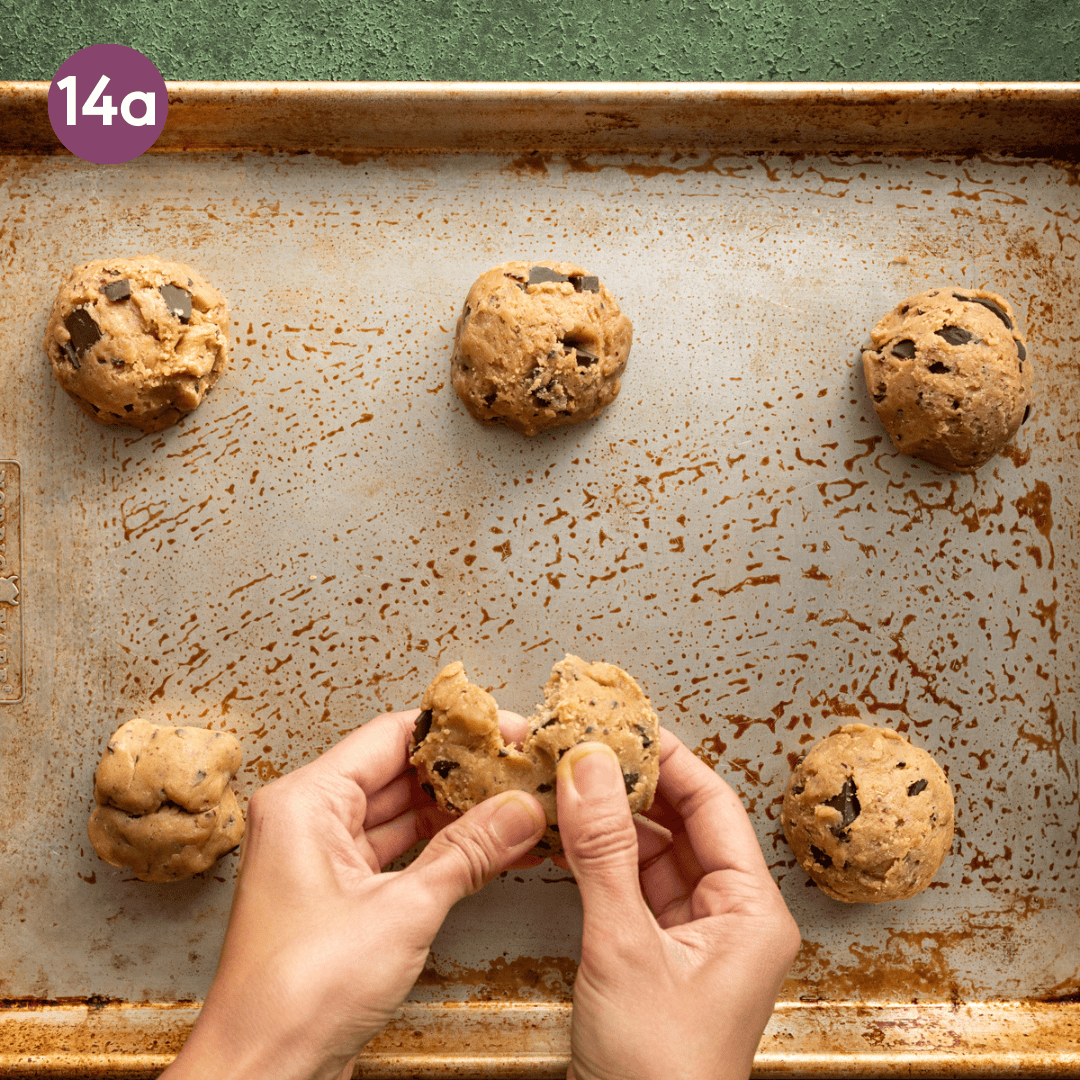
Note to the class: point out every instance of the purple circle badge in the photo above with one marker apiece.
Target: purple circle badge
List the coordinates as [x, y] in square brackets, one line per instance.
[108, 103]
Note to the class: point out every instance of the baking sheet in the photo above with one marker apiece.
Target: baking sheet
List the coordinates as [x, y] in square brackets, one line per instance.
[330, 527]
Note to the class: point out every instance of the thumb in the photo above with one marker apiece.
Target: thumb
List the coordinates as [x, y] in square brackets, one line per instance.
[469, 852]
[597, 831]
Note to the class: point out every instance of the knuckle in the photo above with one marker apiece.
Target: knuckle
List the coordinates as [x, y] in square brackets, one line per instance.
[605, 837]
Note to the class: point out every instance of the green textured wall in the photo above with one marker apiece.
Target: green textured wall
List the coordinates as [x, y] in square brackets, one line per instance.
[519, 40]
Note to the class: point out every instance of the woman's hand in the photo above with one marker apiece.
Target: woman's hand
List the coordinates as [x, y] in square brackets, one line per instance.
[682, 959]
[321, 947]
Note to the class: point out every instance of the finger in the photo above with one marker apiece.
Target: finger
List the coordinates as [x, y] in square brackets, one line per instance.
[669, 881]
[479, 845]
[394, 837]
[653, 841]
[598, 833]
[717, 825]
[514, 727]
[373, 755]
[399, 795]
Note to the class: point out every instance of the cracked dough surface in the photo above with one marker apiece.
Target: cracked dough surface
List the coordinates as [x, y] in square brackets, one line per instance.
[950, 376]
[137, 341]
[462, 758]
[868, 815]
[164, 805]
[539, 345]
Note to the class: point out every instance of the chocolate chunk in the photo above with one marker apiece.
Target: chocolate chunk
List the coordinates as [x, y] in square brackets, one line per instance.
[200, 776]
[585, 360]
[539, 275]
[957, 335]
[117, 362]
[543, 788]
[914, 789]
[938, 368]
[901, 764]
[177, 300]
[996, 309]
[585, 283]
[881, 392]
[820, 857]
[798, 789]
[548, 723]
[847, 803]
[543, 844]
[70, 354]
[445, 768]
[502, 753]
[428, 790]
[490, 399]
[422, 728]
[118, 290]
[646, 742]
[84, 332]
[905, 349]
[1022, 353]
[1027, 413]
[630, 779]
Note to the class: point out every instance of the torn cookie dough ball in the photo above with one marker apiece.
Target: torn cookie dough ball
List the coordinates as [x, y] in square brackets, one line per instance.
[950, 376]
[137, 341]
[868, 815]
[539, 345]
[165, 808]
[462, 758]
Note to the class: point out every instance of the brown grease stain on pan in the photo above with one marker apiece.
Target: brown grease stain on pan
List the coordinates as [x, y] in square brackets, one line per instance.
[549, 978]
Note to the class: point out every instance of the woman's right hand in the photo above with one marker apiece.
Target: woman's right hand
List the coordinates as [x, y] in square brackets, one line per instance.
[685, 992]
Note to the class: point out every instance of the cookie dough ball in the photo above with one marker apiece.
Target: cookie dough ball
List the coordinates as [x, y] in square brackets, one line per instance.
[539, 345]
[165, 808]
[950, 376]
[462, 758]
[137, 341]
[868, 815]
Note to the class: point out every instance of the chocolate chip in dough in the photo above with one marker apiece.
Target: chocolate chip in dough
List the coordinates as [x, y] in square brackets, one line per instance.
[938, 368]
[70, 355]
[998, 311]
[423, 726]
[1022, 353]
[540, 275]
[118, 290]
[957, 335]
[585, 282]
[847, 804]
[83, 330]
[177, 300]
[445, 768]
[904, 350]
[914, 789]
[630, 779]
[820, 857]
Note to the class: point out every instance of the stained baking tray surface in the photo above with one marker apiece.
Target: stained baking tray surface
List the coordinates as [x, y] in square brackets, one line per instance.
[330, 527]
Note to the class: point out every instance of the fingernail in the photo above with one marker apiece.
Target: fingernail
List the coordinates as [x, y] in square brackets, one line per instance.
[515, 821]
[593, 769]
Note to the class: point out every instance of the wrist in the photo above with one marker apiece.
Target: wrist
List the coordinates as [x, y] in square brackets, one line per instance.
[220, 1052]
